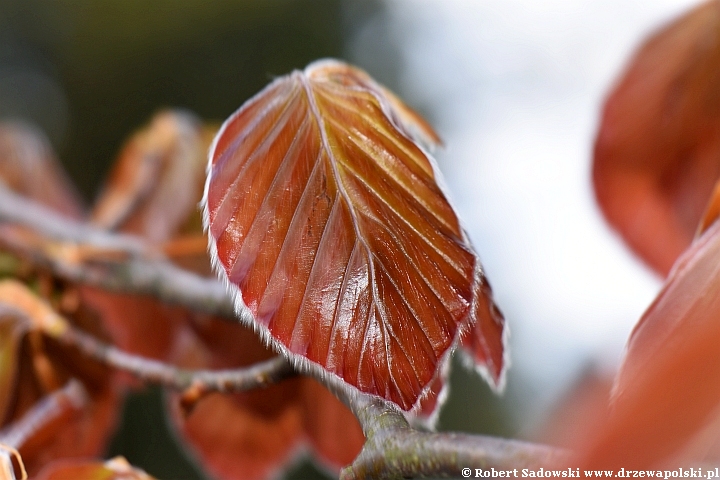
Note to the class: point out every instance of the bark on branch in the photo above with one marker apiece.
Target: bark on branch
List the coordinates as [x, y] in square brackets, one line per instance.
[129, 264]
[394, 449]
[254, 376]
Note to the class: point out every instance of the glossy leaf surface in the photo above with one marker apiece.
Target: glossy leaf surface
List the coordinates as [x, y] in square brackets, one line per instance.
[328, 218]
[657, 155]
[252, 435]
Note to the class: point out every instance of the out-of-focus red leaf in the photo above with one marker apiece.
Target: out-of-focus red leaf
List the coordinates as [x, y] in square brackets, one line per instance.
[712, 210]
[587, 398]
[668, 388]
[41, 366]
[157, 179]
[115, 469]
[136, 323]
[253, 446]
[657, 155]
[153, 191]
[254, 435]
[331, 429]
[29, 167]
[327, 219]
[11, 334]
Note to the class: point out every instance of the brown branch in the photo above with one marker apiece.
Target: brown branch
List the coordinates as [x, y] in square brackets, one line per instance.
[393, 448]
[196, 382]
[139, 270]
[17, 209]
[71, 397]
[254, 376]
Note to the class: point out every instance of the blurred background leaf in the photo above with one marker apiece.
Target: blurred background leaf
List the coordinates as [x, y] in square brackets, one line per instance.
[89, 73]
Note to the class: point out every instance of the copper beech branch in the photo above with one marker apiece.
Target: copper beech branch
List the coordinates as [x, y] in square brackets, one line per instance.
[71, 397]
[254, 376]
[393, 448]
[119, 262]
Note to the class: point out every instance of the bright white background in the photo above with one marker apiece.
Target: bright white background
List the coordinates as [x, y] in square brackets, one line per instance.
[515, 88]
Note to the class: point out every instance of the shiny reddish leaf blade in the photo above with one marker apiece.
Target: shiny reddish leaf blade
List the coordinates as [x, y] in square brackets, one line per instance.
[326, 218]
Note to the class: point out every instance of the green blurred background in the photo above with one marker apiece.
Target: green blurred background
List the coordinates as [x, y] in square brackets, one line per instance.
[91, 72]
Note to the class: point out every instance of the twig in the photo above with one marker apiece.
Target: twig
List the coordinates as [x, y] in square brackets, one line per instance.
[196, 382]
[258, 375]
[395, 449]
[71, 397]
[17, 209]
[141, 271]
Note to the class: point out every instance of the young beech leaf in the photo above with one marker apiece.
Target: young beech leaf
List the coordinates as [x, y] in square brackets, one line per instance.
[29, 167]
[666, 396]
[251, 435]
[326, 219]
[156, 179]
[657, 154]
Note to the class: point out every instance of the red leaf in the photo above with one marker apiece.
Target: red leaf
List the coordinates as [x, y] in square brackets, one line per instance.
[328, 221]
[255, 434]
[29, 167]
[138, 324]
[234, 441]
[157, 179]
[484, 342]
[38, 368]
[657, 155]
[331, 429]
[668, 389]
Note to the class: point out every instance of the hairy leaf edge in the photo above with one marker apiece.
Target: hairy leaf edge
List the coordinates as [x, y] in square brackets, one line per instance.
[306, 366]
